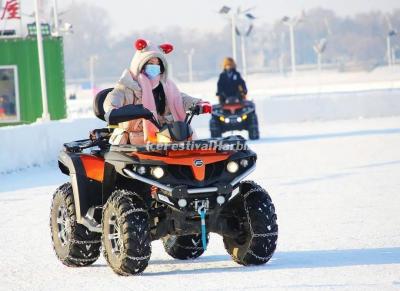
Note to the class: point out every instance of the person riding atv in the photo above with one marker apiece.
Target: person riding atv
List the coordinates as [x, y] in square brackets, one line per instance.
[124, 194]
[234, 112]
[230, 82]
[146, 82]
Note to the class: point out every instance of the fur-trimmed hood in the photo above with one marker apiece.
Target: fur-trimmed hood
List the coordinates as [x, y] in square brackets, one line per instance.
[145, 51]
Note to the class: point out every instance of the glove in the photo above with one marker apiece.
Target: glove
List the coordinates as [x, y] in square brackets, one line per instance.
[203, 107]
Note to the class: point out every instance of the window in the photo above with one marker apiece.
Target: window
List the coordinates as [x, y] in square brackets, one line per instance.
[9, 97]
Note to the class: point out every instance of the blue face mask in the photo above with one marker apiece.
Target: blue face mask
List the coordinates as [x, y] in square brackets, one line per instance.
[152, 71]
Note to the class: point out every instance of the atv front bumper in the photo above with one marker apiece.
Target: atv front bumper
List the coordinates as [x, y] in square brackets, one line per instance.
[174, 196]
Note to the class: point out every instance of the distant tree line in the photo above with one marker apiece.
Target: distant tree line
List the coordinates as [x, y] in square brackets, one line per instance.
[357, 41]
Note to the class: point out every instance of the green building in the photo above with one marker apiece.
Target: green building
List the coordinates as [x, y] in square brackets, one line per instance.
[20, 92]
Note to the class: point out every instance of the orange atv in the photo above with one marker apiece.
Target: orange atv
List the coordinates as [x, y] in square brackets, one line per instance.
[122, 197]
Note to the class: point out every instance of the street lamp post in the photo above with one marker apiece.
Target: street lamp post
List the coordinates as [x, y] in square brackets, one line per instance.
[243, 17]
[292, 48]
[190, 54]
[55, 15]
[243, 48]
[233, 27]
[391, 33]
[42, 68]
[319, 49]
[389, 53]
[291, 23]
[92, 60]
[226, 10]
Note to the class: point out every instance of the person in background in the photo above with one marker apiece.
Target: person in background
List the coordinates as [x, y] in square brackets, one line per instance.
[146, 82]
[230, 82]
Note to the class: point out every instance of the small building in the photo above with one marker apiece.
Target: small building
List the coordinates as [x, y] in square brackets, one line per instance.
[20, 89]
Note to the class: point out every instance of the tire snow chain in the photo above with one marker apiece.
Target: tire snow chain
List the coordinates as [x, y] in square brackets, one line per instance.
[189, 248]
[138, 258]
[84, 242]
[133, 210]
[265, 234]
[82, 260]
[258, 257]
[253, 235]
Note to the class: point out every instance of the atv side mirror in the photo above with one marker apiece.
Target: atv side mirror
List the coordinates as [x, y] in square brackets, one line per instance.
[129, 112]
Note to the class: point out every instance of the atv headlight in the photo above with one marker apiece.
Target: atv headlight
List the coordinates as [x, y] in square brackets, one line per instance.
[244, 163]
[157, 172]
[232, 167]
[221, 118]
[239, 119]
[141, 170]
[227, 120]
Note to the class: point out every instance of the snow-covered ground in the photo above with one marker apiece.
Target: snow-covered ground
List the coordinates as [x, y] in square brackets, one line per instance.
[336, 188]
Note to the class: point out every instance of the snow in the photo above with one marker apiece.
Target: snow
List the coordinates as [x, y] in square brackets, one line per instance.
[39, 143]
[335, 185]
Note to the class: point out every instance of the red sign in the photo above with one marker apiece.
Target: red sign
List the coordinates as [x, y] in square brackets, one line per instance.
[11, 10]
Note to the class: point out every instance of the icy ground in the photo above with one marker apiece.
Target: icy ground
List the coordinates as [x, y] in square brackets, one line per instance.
[336, 187]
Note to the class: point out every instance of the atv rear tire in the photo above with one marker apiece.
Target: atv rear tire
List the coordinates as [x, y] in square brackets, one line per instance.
[73, 244]
[126, 233]
[185, 247]
[257, 224]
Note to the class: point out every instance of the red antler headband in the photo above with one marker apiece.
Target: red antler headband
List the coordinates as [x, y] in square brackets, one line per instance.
[166, 48]
[140, 44]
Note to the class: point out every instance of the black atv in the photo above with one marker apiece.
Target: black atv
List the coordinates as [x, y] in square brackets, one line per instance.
[234, 113]
[122, 197]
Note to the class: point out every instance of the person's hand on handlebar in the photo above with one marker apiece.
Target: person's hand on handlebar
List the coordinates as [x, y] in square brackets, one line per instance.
[202, 107]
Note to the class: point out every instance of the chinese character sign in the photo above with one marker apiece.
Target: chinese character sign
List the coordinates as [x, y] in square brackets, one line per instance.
[11, 10]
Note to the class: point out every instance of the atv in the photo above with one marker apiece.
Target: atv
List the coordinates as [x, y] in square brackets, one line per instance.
[234, 113]
[120, 198]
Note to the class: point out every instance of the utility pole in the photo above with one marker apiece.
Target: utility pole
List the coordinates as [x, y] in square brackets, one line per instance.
[42, 68]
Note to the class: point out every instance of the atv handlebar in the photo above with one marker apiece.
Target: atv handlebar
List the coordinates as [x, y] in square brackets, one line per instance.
[203, 107]
[130, 112]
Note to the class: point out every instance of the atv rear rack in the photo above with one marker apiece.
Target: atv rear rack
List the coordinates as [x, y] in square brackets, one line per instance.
[235, 142]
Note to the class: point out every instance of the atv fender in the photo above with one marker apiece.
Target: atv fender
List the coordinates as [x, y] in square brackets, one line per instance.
[87, 191]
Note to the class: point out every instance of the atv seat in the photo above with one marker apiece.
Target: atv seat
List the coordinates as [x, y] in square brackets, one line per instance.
[98, 102]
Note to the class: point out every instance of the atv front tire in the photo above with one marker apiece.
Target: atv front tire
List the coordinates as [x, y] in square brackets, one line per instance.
[253, 130]
[126, 233]
[256, 223]
[215, 128]
[73, 244]
[185, 247]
